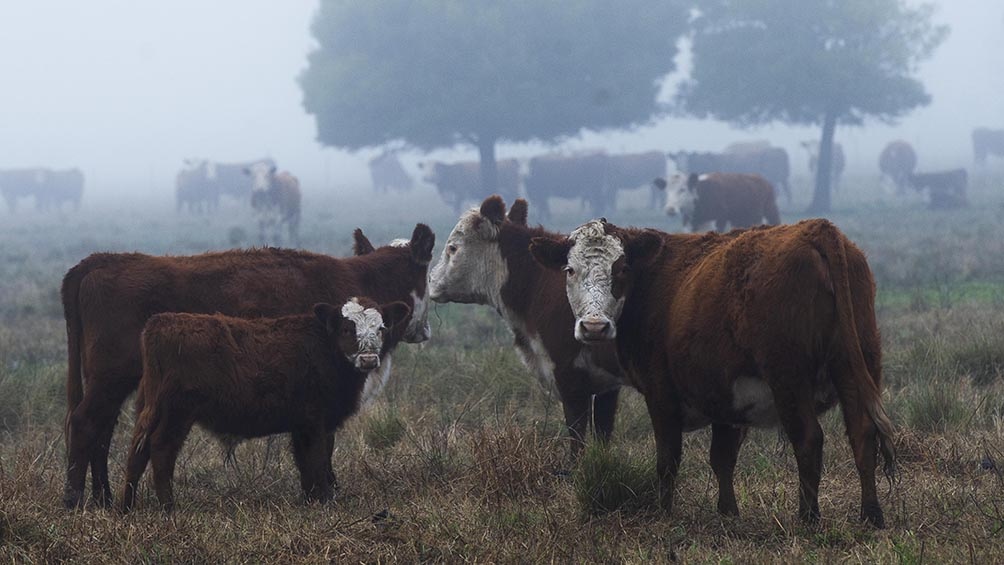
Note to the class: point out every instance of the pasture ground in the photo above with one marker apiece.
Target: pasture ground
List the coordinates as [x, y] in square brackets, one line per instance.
[463, 459]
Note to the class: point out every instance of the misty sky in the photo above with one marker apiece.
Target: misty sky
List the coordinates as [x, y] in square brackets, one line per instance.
[127, 89]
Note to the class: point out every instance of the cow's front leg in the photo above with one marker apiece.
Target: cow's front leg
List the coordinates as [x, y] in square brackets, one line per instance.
[668, 444]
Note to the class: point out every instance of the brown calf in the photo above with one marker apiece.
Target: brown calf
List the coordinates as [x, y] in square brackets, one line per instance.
[302, 375]
[108, 297]
[752, 328]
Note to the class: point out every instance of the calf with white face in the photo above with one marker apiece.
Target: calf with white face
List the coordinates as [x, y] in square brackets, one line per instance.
[487, 261]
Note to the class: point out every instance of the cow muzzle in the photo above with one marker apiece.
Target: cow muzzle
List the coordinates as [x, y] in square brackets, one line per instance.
[367, 361]
[594, 328]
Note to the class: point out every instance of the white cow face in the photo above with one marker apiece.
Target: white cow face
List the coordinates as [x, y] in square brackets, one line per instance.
[261, 174]
[471, 269]
[359, 328]
[598, 262]
[681, 196]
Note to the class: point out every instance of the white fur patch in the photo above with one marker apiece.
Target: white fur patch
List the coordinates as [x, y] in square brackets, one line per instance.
[376, 381]
[368, 323]
[400, 242]
[474, 272]
[753, 398]
[532, 352]
[589, 283]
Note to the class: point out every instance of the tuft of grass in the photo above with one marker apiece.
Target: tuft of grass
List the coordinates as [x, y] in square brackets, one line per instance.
[383, 429]
[606, 480]
[937, 407]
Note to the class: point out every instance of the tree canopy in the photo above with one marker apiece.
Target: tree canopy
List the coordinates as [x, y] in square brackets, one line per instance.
[810, 62]
[435, 72]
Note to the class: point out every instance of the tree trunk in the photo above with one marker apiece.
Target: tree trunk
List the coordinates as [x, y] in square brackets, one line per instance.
[489, 169]
[824, 164]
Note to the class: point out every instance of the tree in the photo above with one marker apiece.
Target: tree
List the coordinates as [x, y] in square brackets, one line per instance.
[438, 72]
[809, 62]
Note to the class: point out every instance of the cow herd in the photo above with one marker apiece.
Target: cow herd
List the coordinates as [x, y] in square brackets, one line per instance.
[48, 187]
[765, 326]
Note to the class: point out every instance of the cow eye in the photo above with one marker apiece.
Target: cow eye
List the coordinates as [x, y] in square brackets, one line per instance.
[569, 270]
[451, 248]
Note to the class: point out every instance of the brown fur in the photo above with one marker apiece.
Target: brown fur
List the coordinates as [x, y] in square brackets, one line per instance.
[789, 306]
[247, 378]
[536, 296]
[736, 199]
[108, 297]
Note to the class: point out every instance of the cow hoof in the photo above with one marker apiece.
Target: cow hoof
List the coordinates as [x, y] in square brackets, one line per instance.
[873, 516]
[73, 499]
[104, 500]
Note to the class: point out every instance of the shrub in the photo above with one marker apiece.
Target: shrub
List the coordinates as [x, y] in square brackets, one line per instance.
[606, 480]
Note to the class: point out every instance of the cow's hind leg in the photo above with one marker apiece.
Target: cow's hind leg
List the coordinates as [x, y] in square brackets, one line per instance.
[139, 457]
[604, 413]
[100, 485]
[794, 402]
[91, 425]
[725, 443]
[577, 410]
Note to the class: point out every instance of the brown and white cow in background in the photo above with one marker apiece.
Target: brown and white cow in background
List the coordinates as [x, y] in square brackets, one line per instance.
[275, 198]
[487, 261]
[739, 200]
[302, 375]
[758, 327]
[897, 162]
[108, 297]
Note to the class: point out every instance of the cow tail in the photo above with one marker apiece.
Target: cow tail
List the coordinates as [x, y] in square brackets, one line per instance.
[70, 293]
[862, 383]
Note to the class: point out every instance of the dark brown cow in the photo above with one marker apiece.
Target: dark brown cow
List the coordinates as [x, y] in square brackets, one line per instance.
[387, 173]
[632, 170]
[579, 176]
[759, 327]
[459, 183]
[987, 142]
[739, 200]
[946, 189]
[302, 375]
[108, 297]
[487, 261]
[897, 162]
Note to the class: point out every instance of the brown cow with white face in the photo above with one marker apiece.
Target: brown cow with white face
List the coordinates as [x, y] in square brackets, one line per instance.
[303, 375]
[739, 200]
[760, 327]
[275, 199]
[487, 261]
[108, 297]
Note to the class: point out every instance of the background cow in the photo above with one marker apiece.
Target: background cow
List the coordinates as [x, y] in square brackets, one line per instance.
[758, 327]
[987, 142]
[275, 199]
[946, 189]
[632, 170]
[387, 173]
[487, 261]
[302, 375]
[732, 199]
[836, 164]
[50, 188]
[108, 297]
[459, 183]
[897, 162]
[581, 176]
[769, 162]
[194, 190]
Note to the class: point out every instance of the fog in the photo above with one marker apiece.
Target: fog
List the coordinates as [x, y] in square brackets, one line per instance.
[125, 90]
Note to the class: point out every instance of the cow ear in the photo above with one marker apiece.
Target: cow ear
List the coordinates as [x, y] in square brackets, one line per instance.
[692, 180]
[659, 183]
[329, 316]
[518, 212]
[493, 208]
[422, 242]
[641, 249]
[361, 244]
[394, 313]
[551, 253]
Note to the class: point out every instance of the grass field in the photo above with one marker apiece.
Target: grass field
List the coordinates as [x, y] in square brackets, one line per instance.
[464, 457]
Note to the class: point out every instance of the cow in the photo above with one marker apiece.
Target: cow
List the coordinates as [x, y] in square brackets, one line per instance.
[303, 375]
[108, 297]
[581, 176]
[194, 189]
[758, 327]
[987, 142]
[739, 200]
[275, 199]
[837, 161]
[487, 261]
[632, 170]
[387, 173]
[897, 162]
[50, 188]
[771, 163]
[459, 183]
[946, 189]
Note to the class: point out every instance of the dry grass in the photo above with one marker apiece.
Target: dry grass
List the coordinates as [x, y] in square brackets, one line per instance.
[464, 457]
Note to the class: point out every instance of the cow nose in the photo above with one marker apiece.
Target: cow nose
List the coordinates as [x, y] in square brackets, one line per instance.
[367, 361]
[595, 328]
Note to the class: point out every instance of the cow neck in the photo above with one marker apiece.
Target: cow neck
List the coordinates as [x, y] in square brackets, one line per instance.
[641, 326]
[385, 274]
[524, 273]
